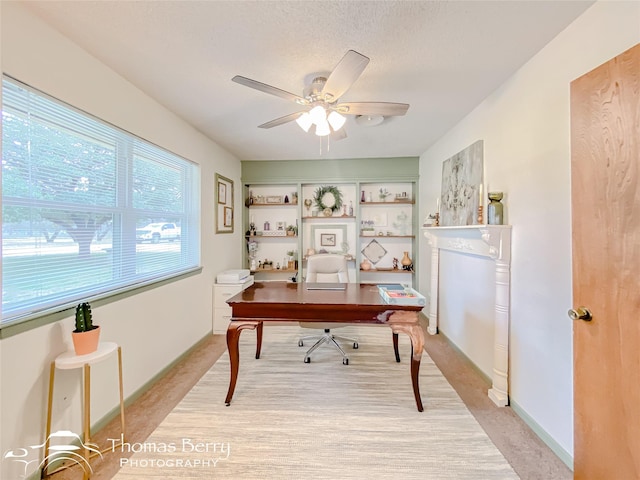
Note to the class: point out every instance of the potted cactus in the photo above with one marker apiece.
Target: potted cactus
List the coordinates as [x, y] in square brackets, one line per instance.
[86, 335]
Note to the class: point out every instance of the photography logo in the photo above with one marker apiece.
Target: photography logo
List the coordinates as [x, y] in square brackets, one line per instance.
[64, 446]
[188, 453]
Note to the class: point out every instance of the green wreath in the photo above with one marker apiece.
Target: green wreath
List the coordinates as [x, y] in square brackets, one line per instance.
[328, 197]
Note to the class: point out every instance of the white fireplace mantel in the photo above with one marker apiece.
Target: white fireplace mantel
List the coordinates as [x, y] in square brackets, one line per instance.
[491, 241]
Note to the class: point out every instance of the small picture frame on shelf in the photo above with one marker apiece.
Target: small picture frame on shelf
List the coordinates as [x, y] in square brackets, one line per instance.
[281, 226]
[327, 239]
[274, 199]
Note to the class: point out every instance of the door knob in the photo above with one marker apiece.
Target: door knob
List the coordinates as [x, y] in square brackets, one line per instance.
[580, 313]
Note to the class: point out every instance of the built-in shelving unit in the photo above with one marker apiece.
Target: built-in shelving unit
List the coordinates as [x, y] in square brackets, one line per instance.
[286, 193]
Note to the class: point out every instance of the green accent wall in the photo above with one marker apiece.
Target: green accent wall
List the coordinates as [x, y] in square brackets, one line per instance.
[395, 169]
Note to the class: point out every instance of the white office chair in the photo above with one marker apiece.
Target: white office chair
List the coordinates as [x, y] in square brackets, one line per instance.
[326, 267]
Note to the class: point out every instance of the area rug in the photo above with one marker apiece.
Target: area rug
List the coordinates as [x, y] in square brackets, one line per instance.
[322, 420]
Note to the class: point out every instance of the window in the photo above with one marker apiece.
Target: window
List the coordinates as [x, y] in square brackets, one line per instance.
[87, 209]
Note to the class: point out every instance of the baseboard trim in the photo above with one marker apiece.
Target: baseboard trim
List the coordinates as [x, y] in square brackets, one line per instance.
[555, 447]
[115, 411]
[457, 349]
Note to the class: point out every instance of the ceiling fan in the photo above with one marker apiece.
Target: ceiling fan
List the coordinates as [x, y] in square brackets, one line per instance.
[319, 104]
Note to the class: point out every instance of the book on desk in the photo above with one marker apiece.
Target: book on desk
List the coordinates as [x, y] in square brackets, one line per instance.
[398, 294]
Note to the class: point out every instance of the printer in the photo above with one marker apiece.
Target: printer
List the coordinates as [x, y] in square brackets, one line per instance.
[233, 276]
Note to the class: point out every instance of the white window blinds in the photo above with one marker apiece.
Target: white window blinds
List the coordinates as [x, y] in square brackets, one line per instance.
[87, 209]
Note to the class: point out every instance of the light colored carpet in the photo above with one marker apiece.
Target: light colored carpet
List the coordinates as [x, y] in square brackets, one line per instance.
[322, 420]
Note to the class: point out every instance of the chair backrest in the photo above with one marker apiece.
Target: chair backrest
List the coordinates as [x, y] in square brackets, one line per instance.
[327, 267]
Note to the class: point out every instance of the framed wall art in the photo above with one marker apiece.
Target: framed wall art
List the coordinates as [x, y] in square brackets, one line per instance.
[328, 238]
[224, 204]
[461, 180]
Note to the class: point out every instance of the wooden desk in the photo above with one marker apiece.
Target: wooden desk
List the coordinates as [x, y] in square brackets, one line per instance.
[291, 302]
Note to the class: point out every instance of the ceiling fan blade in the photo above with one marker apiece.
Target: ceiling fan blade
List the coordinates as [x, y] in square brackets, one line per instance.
[386, 109]
[336, 135]
[344, 75]
[263, 87]
[280, 121]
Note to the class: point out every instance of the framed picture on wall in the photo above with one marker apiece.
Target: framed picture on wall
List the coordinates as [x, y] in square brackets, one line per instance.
[222, 193]
[228, 216]
[224, 204]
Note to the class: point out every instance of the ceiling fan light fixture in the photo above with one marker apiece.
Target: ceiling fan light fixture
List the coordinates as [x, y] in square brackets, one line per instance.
[305, 121]
[336, 120]
[318, 115]
[322, 128]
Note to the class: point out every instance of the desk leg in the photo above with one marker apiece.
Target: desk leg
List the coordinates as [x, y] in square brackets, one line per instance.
[259, 339]
[395, 347]
[407, 323]
[233, 337]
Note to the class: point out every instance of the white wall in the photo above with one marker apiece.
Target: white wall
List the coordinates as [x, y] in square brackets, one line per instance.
[153, 328]
[526, 131]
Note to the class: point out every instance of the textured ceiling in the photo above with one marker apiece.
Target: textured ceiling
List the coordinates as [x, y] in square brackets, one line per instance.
[441, 57]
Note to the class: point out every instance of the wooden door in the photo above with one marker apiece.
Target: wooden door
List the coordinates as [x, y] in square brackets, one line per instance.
[605, 192]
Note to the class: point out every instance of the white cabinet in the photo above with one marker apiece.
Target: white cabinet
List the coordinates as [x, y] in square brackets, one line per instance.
[221, 310]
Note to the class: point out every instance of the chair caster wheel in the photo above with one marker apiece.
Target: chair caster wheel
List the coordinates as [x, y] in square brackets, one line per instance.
[355, 345]
[300, 343]
[307, 360]
[345, 361]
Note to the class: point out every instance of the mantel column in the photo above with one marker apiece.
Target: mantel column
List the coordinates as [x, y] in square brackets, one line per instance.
[492, 241]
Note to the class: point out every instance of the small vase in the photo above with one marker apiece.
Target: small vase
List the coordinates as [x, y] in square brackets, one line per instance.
[362, 197]
[406, 262]
[365, 264]
[495, 209]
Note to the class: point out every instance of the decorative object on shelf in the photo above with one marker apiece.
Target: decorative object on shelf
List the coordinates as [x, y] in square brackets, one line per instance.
[286, 199]
[366, 228]
[327, 212]
[362, 197]
[428, 221]
[369, 197]
[291, 256]
[86, 336]
[328, 196]
[344, 210]
[326, 238]
[436, 220]
[395, 263]
[402, 224]
[292, 230]
[374, 251]
[267, 226]
[495, 209]
[461, 176]
[407, 263]
[307, 203]
[402, 197]
[480, 205]
[383, 194]
[224, 204]
[365, 265]
[274, 199]
[350, 208]
[252, 247]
